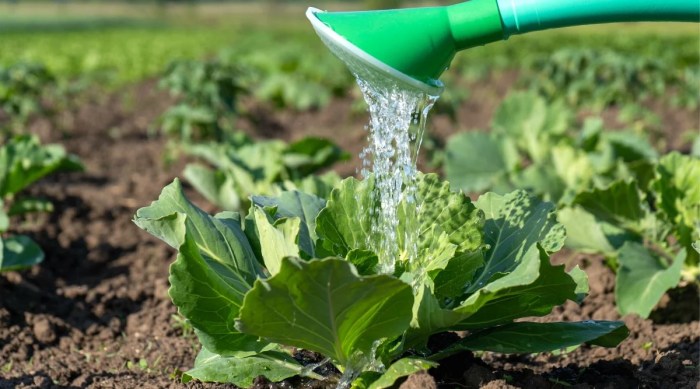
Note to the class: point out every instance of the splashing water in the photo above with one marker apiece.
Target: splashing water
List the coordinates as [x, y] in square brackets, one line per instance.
[397, 123]
[395, 132]
[398, 114]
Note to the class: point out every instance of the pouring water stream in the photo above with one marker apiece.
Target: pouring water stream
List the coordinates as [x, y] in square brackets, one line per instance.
[398, 116]
[395, 132]
[398, 113]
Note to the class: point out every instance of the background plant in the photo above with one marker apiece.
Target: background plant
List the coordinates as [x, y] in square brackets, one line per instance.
[595, 77]
[535, 145]
[22, 87]
[242, 167]
[617, 197]
[290, 76]
[208, 93]
[23, 161]
[645, 227]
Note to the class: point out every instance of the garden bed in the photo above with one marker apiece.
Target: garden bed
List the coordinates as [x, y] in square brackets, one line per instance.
[96, 313]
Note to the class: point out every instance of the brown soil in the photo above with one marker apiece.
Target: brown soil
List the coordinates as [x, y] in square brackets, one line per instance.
[96, 313]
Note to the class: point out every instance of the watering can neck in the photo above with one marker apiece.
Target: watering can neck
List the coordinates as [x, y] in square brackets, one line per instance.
[478, 22]
[522, 16]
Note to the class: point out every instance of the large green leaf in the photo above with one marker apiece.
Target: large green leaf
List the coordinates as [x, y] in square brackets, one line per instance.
[18, 252]
[531, 122]
[531, 289]
[525, 337]
[475, 161]
[583, 231]
[344, 224]
[214, 269]
[276, 241]
[441, 222]
[210, 294]
[428, 318]
[642, 279]
[242, 371]
[324, 306]
[220, 242]
[619, 203]
[515, 224]
[23, 161]
[402, 368]
[296, 204]
[214, 185]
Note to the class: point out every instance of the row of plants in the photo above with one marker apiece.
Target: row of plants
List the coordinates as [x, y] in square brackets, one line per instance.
[616, 195]
[112, 56]
[602, 78]
[233, 167]
[289, 77]
[299, 75]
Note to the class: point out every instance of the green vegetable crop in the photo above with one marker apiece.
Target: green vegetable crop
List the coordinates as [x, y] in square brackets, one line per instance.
[243, 167]
[301, 272]
[532, 146]
[289, 76]
[646, 227]
[616, 196]
[22, 87]
[24, 161]
[601, 78]
[208, 92]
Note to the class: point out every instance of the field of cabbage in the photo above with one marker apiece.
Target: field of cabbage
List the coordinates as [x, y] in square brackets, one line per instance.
[180, 206]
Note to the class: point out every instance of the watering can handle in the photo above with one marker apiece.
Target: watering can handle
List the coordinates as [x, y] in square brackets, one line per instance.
[522, 16]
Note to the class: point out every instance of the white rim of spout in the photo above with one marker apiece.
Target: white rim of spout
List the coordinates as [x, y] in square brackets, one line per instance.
[323, 30]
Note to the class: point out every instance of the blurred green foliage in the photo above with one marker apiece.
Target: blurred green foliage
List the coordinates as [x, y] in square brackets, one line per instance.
[118, 56]
[600, 78]
[22, 87]
[208, 92]
[382, 4]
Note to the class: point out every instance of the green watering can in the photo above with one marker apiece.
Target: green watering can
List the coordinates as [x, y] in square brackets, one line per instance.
[414, 46]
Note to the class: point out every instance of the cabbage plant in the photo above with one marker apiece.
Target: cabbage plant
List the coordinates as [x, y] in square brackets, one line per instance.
[23, 161]
[241, 167]
[648, 229]
[301, 272]
[617, 196]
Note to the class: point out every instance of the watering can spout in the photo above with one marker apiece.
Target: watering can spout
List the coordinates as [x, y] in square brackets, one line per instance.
[415, 45]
